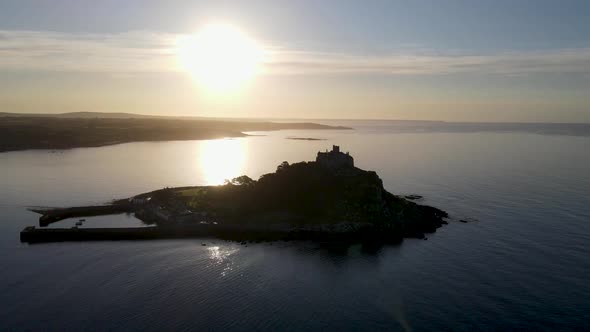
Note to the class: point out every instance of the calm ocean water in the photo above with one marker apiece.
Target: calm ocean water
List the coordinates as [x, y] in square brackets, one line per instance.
[524, 264]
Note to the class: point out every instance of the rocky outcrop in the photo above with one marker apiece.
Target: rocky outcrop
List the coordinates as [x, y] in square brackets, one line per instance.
[310, 196]
[306, 200]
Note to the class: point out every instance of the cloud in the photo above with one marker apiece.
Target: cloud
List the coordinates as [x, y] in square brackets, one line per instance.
[564, 60]
[144, 52]
[120, 53]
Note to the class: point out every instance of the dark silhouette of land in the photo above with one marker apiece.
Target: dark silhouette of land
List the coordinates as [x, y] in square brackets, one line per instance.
[306, 139]
[327, 199]
[18, 132]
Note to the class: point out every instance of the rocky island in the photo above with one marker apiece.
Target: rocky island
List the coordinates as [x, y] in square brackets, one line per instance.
[326, 199]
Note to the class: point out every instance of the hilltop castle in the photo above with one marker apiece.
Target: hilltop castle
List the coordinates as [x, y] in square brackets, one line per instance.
[334, 159]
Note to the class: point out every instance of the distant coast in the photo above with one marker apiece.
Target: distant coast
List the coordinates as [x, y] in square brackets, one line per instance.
[25, 132]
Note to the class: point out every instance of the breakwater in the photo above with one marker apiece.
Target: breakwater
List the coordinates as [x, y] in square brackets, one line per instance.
[32, 234]
[49, 216]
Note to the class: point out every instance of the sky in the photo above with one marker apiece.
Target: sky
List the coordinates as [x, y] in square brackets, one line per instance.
[518, 60]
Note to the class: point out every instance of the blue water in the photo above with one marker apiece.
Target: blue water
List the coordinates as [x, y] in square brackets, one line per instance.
[522, 265]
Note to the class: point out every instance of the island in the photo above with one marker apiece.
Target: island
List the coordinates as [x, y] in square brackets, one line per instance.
[328, 199]
[75, 130]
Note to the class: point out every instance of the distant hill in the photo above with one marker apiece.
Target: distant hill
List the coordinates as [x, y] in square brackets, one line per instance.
[122, 115]
[72, 130]
[89, 115]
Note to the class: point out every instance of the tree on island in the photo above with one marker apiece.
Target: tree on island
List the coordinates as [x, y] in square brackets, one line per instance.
[243, 180]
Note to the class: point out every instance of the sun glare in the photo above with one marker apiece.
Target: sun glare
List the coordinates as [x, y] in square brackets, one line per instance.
[222, 159]
[220, 57]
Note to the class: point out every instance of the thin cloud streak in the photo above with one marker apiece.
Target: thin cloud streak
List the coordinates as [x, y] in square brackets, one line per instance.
[565, 60]
[146, 52]
[124, 53]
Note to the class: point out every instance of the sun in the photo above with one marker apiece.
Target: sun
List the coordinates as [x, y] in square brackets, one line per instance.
[220, 57]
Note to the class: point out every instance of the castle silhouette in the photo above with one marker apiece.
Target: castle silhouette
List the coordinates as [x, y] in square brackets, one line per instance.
[335, 159]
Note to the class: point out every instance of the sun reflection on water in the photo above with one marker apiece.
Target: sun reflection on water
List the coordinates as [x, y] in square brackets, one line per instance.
[222, 159]
[221, 256]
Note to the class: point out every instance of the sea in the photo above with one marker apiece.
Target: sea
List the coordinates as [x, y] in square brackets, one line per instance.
[521, 262]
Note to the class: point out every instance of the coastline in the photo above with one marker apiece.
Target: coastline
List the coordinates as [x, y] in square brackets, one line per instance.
[50, 133]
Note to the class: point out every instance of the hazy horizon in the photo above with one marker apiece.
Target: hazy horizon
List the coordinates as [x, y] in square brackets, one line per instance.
[490, 61]
[123, 114]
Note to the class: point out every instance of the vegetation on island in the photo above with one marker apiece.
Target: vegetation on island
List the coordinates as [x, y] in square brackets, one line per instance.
[309, 196]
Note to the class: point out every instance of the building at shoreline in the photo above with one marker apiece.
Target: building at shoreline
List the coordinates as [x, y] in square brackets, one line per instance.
[335, 159]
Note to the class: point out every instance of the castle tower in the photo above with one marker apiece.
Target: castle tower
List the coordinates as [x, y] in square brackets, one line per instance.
[335, 159]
